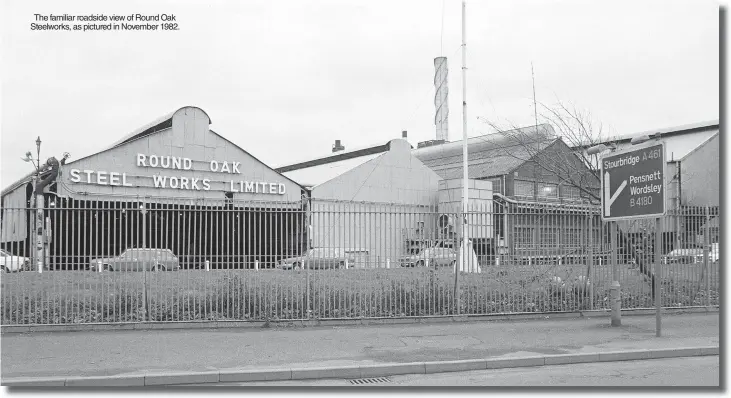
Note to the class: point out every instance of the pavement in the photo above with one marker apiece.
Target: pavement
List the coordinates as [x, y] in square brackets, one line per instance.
[194, 356]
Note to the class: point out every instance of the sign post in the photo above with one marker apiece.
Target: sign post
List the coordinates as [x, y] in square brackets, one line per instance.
[633, 186]
[658, 278]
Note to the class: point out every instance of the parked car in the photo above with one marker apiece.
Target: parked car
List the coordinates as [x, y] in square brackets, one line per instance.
[13, 263]
[315, 258]
[713, 252]
[691, 255]
[136, 259]
[437, 256]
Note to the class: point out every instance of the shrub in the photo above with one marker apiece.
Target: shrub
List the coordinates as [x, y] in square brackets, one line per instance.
[272, 296]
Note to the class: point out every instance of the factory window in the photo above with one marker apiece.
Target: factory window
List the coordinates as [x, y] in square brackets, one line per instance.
[525, 189]
[547, 191]
[497, 185]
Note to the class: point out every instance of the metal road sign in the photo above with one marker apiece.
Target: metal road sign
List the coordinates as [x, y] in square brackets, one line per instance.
[633, 183]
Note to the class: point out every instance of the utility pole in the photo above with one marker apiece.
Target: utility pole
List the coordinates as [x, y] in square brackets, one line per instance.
[535, 106]
[465, 176]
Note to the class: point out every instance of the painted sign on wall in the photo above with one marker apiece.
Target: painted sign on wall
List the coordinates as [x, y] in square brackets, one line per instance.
[112, 178]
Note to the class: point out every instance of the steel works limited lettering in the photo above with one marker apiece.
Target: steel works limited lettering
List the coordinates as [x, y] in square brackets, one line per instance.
[178, 182]
[100, 177]
[182, 183]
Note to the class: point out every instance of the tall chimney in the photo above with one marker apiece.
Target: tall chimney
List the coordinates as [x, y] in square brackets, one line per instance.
[441, 98]
[338, 147]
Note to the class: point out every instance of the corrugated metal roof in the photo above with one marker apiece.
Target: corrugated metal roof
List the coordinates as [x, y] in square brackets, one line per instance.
[685, 128]
[334, 157]
[312, 176]
[159, 124]
[488, 155]
[148, 128]
[664, 133]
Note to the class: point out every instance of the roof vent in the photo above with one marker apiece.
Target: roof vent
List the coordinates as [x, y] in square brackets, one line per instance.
[425, 144]
[337, 147]
[403, 134]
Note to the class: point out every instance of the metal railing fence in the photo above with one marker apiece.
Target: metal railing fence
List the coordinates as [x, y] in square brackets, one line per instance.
[135, 260]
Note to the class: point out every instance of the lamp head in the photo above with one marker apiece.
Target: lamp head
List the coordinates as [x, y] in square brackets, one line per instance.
[596, 149]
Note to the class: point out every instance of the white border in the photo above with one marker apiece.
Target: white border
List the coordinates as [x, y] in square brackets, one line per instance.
[634, 148]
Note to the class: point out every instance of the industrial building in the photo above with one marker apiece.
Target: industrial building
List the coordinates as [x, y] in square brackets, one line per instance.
[500, 169]
[172, 184]
[386, 202]
[541, 193]
[176, 184]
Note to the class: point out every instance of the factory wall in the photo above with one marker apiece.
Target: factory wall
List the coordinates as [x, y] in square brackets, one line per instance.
[186, 160]
[373, 206]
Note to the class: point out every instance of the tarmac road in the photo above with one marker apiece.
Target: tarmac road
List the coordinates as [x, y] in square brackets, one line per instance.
[137, 353]
[695, 372]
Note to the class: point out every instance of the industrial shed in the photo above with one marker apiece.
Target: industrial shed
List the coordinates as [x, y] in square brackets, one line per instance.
[171, 184]
[368, 200]
[503, 180]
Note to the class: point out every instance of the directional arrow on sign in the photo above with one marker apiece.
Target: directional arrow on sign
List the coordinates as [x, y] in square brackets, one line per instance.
[608, 200]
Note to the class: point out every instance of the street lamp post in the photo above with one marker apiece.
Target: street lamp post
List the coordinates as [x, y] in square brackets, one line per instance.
[38, 238]
[38, 151]
[39, 210]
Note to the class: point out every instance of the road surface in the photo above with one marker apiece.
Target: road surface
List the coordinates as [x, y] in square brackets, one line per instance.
[693, 371]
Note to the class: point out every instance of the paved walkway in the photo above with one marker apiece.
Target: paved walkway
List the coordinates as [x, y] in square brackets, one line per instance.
[137, 352]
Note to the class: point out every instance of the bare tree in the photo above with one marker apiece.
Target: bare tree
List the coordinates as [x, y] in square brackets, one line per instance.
[557, 152]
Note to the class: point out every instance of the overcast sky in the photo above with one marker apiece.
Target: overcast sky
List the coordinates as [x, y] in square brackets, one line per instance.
[283, 79]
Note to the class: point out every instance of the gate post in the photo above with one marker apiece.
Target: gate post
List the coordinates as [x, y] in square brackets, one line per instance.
[47, 243]
[143, 211]
[707, 241]
[38, 232]
[658, 277]
[615, 289]
[590, 259]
